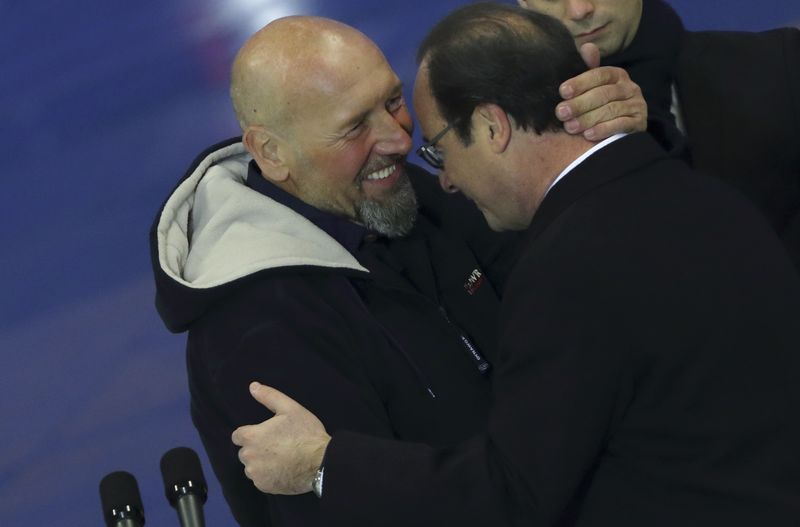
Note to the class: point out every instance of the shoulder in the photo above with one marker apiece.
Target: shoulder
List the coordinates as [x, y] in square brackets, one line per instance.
[739, 49]
[283, 326]
[285, 293]
[720, 40]
[724, 82]
[637, 224]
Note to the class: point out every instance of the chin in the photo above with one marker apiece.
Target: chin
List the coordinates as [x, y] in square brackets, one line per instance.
[495, 224]
[609, 47]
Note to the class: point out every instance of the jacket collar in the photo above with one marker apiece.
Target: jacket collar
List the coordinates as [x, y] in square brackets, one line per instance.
[620, 158]
[213, 229]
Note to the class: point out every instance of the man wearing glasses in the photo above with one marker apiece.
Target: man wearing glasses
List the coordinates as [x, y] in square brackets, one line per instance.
[648, 355]
[310, 256]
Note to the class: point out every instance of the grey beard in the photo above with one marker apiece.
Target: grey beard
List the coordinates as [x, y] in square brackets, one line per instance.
[393, 216]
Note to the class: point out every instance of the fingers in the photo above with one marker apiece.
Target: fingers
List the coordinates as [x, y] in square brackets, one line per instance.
[591, 79]
[606, 129]
[608, 113]
[240, 436]
[276, 401]
[590, 54]
[599, 96]
[604, 101]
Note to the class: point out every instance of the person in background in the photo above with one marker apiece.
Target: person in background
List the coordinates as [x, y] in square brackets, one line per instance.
[729, 98]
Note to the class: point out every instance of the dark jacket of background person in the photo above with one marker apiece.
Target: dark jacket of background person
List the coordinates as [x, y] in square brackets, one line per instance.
[275, 299]
[646, 374]
[737, 95]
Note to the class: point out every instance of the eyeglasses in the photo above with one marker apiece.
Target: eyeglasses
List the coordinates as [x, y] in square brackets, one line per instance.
[430, 153]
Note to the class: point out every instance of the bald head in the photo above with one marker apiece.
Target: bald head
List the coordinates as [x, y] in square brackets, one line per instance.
[289, 60]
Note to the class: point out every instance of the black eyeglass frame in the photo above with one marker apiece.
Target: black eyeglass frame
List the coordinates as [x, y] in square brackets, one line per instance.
[430, 153]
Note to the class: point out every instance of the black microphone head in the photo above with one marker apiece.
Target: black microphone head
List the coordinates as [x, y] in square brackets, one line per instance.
[119, 495]
[183, 474]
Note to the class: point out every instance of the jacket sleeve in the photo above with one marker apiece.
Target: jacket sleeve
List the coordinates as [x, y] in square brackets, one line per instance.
[299, 345]
[555, 399]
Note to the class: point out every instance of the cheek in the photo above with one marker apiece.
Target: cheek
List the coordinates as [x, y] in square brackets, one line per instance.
[349, 157]
[553, 9]
[342, 167]
[462, 176]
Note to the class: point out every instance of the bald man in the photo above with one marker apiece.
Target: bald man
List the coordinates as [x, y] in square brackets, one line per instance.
[309, 256]
[298, 257]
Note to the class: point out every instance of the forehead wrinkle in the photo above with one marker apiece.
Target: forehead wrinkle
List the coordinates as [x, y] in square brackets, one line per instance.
[366, 90]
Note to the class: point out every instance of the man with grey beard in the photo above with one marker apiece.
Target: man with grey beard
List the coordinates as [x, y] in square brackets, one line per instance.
[296, 256]
[394, 215]
[309, 256]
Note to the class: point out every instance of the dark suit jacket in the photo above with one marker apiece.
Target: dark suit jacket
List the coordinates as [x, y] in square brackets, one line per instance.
[647, 372]
[739, 95]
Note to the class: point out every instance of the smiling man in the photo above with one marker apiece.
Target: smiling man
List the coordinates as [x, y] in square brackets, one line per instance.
[647, 359]
[297, 256]
[342, 146]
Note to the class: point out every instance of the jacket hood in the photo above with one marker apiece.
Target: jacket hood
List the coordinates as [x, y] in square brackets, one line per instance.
[213, 232]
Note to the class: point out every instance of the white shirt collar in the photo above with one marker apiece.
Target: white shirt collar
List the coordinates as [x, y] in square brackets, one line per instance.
[586, 154]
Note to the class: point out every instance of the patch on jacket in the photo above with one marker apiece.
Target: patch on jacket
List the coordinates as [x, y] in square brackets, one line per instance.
[474, 281]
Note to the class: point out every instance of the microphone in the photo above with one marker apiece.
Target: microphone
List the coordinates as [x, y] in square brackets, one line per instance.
[122, 504]
[185, 485]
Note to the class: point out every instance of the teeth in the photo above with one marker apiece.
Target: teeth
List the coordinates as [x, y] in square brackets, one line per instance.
[381, 174]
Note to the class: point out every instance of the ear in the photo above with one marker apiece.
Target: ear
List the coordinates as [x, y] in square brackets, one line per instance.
[494, 125]
[267, 152]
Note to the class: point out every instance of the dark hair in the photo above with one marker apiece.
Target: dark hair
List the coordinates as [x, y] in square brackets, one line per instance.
[502, 54]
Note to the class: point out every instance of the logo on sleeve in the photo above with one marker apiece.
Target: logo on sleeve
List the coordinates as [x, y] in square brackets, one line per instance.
[474, 281]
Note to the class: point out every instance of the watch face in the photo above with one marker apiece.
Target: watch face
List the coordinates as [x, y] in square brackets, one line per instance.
[316, 484]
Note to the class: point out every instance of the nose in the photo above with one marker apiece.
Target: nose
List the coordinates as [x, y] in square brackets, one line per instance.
[394, 134]
[579, 9]
[445, 183]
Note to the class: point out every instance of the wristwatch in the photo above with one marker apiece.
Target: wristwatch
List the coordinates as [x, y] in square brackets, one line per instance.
[316, 483]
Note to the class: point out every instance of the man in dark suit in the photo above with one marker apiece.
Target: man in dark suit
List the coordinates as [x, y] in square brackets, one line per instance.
[648, 355]
[734, 95]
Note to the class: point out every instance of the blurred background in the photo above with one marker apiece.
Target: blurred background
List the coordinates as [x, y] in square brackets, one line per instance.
[102, 107]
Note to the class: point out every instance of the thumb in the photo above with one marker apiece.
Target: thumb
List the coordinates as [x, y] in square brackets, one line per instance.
[276, 401]
[590, 54]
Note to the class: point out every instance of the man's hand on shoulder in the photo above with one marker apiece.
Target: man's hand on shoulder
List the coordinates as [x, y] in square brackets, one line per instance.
[282, 454]
[601, 102]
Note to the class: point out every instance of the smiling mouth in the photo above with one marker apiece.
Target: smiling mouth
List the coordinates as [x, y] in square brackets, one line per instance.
[381, 174]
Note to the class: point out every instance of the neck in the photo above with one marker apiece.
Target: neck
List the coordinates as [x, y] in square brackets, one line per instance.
[545, 157]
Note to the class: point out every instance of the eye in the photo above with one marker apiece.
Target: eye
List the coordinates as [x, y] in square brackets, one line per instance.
[355, 130]
[395, 103]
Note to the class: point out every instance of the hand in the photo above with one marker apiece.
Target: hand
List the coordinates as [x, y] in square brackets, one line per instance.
[282, 454]
[602, 101]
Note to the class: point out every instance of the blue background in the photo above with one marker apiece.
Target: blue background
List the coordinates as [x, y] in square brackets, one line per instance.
[102, 106]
